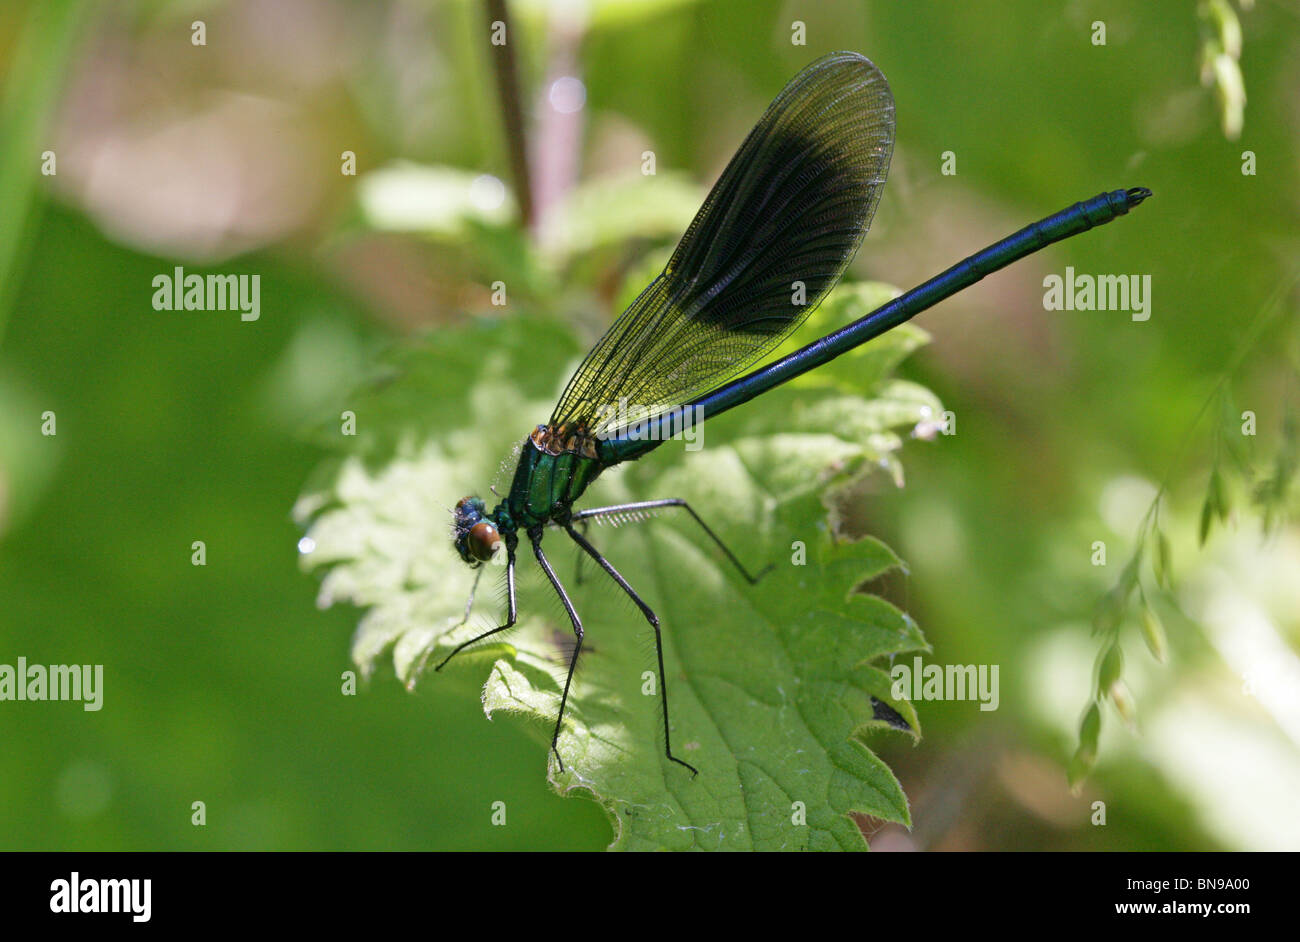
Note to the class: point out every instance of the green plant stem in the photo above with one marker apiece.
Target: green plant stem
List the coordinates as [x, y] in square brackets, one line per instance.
[505, 68]
[36, 75]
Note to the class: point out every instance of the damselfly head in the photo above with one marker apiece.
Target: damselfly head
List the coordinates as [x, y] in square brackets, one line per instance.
[476, 536]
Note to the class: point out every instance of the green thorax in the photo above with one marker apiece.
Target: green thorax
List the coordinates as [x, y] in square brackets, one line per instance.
[554, 469]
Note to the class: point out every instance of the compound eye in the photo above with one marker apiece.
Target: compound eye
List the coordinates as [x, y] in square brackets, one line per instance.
[483, 539]
[464, 503]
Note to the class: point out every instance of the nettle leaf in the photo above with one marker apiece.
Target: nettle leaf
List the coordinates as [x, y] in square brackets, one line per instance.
[773, 688]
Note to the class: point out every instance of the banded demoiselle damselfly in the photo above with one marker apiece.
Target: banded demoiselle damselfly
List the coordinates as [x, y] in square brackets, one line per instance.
[780, 226]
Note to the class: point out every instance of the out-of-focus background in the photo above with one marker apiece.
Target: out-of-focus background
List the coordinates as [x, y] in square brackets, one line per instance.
[127, 148]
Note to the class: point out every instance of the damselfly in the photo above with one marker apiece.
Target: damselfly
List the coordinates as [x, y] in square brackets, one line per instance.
[773, 237]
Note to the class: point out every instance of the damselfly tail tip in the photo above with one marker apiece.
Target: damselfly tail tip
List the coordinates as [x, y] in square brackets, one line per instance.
[1136, 194]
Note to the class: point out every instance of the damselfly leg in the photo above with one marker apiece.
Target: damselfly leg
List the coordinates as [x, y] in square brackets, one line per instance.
[653, 619]
[535, 537]
[665, 504]
[510, 607]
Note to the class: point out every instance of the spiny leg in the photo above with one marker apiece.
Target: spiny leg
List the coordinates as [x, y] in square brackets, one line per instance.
[510, 607]
[666, 503]
[653, 619]
[577, 566]
[535, 537]
[473, 590]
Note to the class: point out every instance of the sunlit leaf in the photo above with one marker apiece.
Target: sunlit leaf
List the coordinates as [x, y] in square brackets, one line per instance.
[615, 211]
[772, 687]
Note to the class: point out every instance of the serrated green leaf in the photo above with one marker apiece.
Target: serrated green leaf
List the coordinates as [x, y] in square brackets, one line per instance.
[870, 363]
[772, 688]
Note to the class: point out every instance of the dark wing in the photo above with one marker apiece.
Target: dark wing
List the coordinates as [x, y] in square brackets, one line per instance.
[792, 206]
